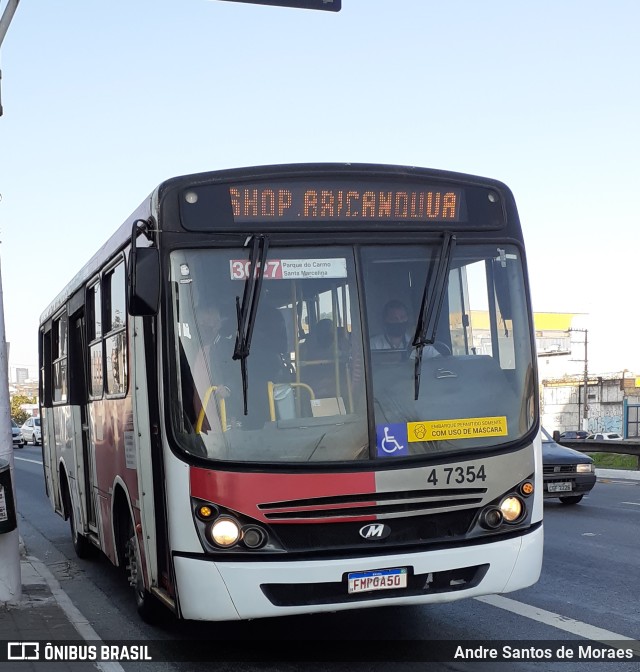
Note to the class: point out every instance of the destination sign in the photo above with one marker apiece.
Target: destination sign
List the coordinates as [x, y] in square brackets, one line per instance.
[342, 201]
[288, 269]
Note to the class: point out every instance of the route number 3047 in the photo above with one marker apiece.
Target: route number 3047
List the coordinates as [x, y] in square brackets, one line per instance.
[462, 474]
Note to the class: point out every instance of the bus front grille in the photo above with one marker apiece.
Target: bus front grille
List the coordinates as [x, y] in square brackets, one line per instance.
[412, 502]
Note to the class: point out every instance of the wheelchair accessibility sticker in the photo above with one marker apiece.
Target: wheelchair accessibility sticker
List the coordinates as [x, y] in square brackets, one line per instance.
[392, 440]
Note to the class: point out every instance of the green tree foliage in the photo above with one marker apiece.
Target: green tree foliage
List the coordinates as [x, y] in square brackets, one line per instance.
[17, 413]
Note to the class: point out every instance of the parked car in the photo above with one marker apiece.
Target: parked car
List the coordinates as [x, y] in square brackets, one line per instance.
[18, 439]
[31, 431]
[605, 436]
[578, 434]
[568, 474]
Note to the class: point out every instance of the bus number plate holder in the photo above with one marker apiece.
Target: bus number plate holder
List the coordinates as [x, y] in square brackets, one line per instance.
[378, 579]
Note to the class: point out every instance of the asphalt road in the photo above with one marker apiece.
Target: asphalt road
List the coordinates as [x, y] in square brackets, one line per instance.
[589, 584]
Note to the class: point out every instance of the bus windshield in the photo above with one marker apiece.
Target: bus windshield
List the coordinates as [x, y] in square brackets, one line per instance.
[317, 328]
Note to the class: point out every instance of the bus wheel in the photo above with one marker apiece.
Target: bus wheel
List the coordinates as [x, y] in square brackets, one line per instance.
[81, 545]
[148, 607]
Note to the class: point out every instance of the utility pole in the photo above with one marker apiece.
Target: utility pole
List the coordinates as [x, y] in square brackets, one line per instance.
[10, 579]
[585, 379]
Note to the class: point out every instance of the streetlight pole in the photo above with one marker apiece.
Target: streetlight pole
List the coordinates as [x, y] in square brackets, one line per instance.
[6, 17]
[5, 20]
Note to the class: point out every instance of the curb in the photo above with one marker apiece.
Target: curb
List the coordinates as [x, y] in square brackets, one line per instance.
[42, 590]
[623, 474]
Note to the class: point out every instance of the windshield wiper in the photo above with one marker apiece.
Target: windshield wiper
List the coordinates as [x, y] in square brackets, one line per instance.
[430, 310]
[246, 312]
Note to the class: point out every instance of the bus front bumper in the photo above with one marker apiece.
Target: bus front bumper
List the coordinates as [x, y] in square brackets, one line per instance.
[226, 591]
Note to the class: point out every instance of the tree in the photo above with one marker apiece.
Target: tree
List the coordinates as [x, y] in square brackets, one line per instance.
[17, 413]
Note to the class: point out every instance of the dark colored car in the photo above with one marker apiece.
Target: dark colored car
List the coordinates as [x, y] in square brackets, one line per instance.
[568, 474]
[18, 439]
[579, 434]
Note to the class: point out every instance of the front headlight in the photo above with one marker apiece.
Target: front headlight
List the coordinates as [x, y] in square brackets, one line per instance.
[512, 509]
[585, 468]
[224, 532]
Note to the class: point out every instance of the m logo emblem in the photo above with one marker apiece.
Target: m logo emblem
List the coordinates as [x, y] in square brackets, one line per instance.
[375, 531]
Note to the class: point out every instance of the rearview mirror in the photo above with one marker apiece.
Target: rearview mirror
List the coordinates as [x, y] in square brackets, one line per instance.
[144, 278]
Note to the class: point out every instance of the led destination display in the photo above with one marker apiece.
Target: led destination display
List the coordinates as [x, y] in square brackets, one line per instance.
[344, 202]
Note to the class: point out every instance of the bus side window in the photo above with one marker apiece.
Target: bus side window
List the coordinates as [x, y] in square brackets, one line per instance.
[94, 338]
[46, 368]
[115, 330]
[60, 358]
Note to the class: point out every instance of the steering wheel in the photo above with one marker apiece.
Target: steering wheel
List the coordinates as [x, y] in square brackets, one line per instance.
[442, 348]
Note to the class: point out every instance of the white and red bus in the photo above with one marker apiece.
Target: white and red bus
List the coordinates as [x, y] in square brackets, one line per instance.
[301, 388]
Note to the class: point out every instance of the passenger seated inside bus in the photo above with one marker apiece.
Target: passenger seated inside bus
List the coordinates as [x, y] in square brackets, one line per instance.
[217, 391]
[215, 376]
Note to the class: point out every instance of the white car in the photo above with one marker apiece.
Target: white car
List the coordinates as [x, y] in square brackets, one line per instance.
[605, 436]
[31, 431]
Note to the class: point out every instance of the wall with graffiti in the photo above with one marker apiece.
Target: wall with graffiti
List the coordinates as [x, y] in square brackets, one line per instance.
[605, 420]
[562, 405]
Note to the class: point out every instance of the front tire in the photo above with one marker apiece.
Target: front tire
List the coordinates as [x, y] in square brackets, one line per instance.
[149, 609]
[571, 500]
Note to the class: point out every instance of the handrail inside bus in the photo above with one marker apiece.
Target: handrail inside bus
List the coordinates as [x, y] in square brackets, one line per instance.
[272, 404]
[205, 403]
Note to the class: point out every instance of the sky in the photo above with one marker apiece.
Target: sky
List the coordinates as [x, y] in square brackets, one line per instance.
[104, 100]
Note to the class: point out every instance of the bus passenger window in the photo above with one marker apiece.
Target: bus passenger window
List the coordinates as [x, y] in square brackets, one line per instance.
[115, 340]
[60, 359]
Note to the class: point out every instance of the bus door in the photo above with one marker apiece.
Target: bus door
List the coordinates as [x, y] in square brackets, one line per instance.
[80, 375]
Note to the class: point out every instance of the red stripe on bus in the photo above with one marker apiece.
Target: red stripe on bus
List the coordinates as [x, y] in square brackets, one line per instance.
[243, 492]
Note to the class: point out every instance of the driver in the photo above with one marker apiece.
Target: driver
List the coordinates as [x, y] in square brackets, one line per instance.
[397, 334]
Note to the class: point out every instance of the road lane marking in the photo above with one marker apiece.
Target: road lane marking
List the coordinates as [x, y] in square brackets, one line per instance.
[563, 623]
[25, 459]
[632, 503]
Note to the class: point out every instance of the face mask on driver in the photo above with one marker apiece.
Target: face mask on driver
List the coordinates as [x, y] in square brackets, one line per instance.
[396, 328]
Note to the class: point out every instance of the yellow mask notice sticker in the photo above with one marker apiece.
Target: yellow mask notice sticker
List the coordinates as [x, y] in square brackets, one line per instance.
[463, 428]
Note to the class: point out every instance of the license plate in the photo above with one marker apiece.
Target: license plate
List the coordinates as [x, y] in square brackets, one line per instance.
[378, 579]
[559, 487]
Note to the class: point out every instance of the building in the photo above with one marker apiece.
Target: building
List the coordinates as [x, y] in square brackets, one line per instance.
[22, 374]
[572, 397]
[613, 405]
[612, 400]
[560, 344]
